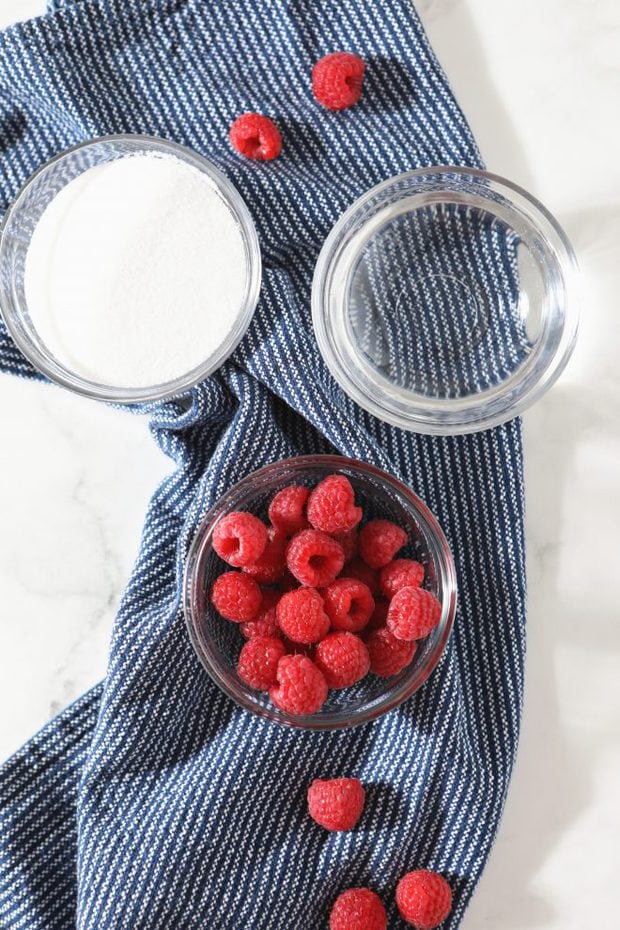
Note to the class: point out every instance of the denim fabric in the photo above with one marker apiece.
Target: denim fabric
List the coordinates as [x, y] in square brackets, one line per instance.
[153, 802]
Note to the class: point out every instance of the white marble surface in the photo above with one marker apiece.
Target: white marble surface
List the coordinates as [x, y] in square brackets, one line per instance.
[540, 83]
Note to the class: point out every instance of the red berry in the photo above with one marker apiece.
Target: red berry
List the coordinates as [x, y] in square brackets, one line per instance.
[301, 616]
[388, 655]
[258, 661]
[337, 80]
[255, 136]
[424, 899]
[265, 622]
[314, 558]
[361, 571]
[301, 687]
[331, 506]
[349, 545]
[240, 538]
[379, 541]
[236, 597]
[343, 658]
[271, 565]
[413, 613]
[358, 909]
[287, 509]
[401, 573]
[348, 604]
[378, 618]
[336, 803]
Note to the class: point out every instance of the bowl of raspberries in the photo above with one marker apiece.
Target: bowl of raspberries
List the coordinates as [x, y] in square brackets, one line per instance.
[319, 592]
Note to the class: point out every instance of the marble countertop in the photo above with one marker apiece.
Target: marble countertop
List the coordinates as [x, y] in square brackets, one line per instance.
[540, 84]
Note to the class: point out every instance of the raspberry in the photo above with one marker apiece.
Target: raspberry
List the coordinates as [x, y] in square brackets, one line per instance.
[379, 541]
[358, 909]
[301, 687]
[301, 616]
[424, 899]
[331, 506]
[265, 623]
[343, 658]
[287, 509]
[336, 803]
[378, 618]
[348, 604]
[413, 613]
[349, 545]
[361, 571]
[236, 597]
[401, 573]
[255, 136]
[271, 565]
[337, 80]
[240, 539]
[258, 661]
[388, 655]
[314, 558]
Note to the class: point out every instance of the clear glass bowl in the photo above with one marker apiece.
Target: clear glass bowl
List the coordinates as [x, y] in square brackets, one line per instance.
[16, 233]
[218, 642]
[444, 300]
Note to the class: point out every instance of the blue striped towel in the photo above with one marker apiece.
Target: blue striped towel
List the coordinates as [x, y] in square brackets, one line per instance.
[154, 802]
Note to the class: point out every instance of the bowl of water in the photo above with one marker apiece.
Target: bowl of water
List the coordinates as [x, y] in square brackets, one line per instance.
[444, 300]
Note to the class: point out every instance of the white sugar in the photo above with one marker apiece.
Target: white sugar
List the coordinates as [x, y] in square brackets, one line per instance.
[136, 272]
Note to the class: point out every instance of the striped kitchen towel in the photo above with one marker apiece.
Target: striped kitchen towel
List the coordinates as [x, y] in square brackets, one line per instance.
[153, 802]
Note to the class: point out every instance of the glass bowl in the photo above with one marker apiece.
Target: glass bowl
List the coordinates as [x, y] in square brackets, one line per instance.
[18, 227]
[444, 300]
[218, 641]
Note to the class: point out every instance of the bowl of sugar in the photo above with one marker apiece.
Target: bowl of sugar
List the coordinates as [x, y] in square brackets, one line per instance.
[129, 269]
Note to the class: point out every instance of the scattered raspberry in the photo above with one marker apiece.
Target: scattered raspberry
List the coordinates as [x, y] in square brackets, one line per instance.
[413, 613]
[379, 541]
[424, 899]
[265, 622]
[258, 661]
[301, 615]
[379, 617]
[240, 539]
[255, 136]
[358, 909]
[331, 506]
[236, 596]
[401, 573]
[388, 655]
[287, 509]
[361, 571]
[349, 545]
[343, 658]
[314, 558]
[301, 687]
[271, 565]
[336, 803]
[337, 80]
[348, 604]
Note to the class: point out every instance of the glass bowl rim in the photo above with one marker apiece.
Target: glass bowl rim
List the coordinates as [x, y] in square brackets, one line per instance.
[61, 374]
[474, 412]
[433, 535]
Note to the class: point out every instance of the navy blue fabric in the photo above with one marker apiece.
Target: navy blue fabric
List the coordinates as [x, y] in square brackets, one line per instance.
[153, 802]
